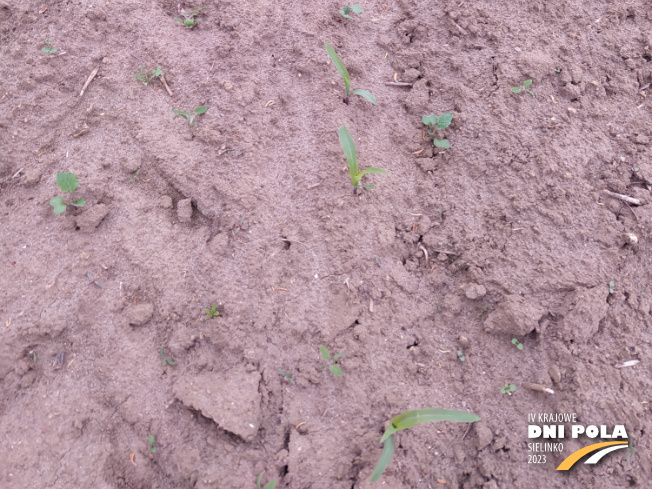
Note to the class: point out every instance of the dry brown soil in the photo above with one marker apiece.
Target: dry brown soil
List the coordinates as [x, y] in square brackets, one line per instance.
[508, 234]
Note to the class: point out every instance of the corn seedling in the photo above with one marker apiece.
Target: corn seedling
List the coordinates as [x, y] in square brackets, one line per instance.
[460, 355]
[190, 117]
[612, 287]
[270, 485]
[524, 88]
[330, 362]
[517, 343]
[287, 376]
[165, 360]
[410, 419]
[356, 9]
[352, 160]
[435, 123]
[151, 443]
[212, 312]
[507, 389]
[344, 73]
[143, 77]
[630, 451]
[67, 182]
[189, 20]
[48, 47]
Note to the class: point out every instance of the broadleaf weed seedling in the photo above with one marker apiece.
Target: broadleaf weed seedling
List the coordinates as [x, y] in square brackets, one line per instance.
[330, 362]
[507, 389]
[143, 77]
[165, 360]
[151, 443]
[524, 88]
[212, 312]
[67, 182]
[93, 281]
[356, 9]
[410, 419]
[517, 343]
[270, 485]
[352, 160]
[344, 73]
[287, 376]
[435, 123]
[49, 48]
[190, 117]
[189, 20]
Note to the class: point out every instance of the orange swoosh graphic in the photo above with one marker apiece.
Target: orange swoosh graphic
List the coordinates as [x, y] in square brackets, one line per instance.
[575, 456]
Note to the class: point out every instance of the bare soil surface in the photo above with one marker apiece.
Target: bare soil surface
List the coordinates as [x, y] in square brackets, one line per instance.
[507, 234]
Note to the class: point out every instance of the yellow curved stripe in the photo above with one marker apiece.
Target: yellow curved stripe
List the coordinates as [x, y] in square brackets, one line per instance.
[575, 456]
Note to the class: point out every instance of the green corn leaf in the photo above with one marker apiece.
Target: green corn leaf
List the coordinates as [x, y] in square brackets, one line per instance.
[527, 83]
[181, 113]
[429, 120]
[67, 182]
[58, 204]
[444, 120]
[351, 157]
[201, 110]
[335, 370]
[357, 9]
[325, 354]
[339, 64]
[385, 458]
[442, 143]
[412, 418]
[270, 485]
[260, 478]
[371, 169]
[366, 95]
[370, 187]
[79, 202]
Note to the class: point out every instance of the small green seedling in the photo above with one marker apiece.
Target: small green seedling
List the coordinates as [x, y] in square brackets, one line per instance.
[612, 287]
[287, 376]
[34, 355]
[524, 88]
[143, 77]
[151, 443]
[212, 312]
[67, 182]
[330, 362]
[270, 485]
[508, 389]
[240, 226]
[517, 343]
[356, 9]
[93, 281]
[484, 309]
[352, 159]
[344, 73]
[460, 355]
[49, 48]
[189, 20]
[135, 177]
[410, 419]
[190, 118]
[630, 451]
[435, 123]
[165, 360]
